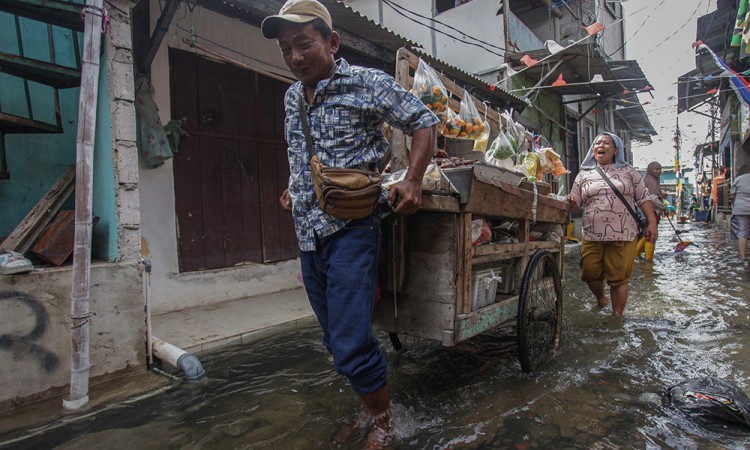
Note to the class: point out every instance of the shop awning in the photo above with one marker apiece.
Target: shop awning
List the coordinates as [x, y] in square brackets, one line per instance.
[695, 88]
[629, 110]
[707, 149]
[584, 70]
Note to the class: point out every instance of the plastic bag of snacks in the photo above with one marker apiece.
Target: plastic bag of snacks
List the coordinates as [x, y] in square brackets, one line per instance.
[428, 88]
[553, 163]
[501, 147]
[470, 123]
[531, 167]
[449, 123]
[480, 145]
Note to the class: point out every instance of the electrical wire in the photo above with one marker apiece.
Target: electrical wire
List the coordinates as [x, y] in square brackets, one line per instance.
[386, 2]
[394, 5]
[639, 28]
[677, 30]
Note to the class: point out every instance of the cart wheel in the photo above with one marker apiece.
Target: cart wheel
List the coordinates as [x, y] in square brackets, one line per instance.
[539, 318]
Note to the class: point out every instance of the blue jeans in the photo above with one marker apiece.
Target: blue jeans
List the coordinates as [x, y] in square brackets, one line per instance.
[340, 277]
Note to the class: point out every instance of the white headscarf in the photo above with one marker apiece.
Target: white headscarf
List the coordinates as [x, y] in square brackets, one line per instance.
[589, 162]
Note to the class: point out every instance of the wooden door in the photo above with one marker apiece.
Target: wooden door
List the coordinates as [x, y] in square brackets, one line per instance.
[230, 171]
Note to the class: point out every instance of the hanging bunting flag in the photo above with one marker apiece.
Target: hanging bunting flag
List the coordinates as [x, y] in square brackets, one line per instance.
[528, 60]
[553, 47]
[712, 91]
[597, 78]
[647, 88]
[739, 85]
[594, 28]
[509, 72]
[626, 91]
[560, 81]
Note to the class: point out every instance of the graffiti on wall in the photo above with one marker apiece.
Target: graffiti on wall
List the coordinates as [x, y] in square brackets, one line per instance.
[24, 344]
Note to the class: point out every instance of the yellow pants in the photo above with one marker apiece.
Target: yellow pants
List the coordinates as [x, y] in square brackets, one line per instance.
[649, 247]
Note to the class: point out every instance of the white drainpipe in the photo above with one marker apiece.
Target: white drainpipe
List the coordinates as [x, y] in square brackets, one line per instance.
[176, 357]
[188, 363]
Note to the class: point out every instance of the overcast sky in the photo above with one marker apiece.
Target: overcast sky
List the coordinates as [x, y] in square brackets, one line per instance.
[659, 35]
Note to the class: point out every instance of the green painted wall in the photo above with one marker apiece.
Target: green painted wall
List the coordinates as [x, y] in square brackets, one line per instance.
[105, 232]
[36, 161]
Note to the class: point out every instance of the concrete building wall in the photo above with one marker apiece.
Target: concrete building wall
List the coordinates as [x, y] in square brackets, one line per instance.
[478, 19]
[36, 336]
[170, 290]
[35, 343]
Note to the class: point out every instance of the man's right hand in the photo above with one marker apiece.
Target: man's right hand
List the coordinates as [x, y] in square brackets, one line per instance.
[286, 201]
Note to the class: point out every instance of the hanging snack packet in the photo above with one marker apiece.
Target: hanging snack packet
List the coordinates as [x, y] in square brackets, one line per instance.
[532, 167]
[428, 88]
[553, 158]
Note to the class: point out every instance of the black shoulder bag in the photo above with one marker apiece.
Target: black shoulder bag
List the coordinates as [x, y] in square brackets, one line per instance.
[640, 221]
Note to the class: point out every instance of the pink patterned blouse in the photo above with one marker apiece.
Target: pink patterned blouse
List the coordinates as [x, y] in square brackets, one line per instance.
[605, 217]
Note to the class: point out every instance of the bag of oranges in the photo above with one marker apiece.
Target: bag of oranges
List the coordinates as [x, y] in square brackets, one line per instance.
[428, 88]
[470, 123]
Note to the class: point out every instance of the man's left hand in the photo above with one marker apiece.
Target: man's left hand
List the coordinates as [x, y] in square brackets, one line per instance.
[405, 197]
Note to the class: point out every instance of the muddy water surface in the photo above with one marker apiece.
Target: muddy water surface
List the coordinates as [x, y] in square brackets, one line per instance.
[688, 316]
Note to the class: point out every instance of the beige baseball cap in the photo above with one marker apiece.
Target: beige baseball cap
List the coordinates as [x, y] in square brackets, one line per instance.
[295, 11]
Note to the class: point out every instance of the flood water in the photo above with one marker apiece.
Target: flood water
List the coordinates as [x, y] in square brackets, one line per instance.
[688, 316]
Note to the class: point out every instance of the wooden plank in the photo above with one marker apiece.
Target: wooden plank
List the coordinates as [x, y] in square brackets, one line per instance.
[477, 322]
[419, 318]
[211, 86]
[233, 91]
[467, 271]
[23, 236]
[440, 203]
[287, 244]
[269, 177]
[399, 155]
[512, 202]
[187, 162]
[55, 244]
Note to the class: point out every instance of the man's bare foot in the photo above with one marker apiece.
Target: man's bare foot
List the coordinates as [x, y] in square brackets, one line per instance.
[602, 302]
[381, 433]
[346, 433]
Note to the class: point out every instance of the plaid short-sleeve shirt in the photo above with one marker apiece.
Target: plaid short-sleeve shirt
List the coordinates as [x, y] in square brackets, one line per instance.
[345, 117]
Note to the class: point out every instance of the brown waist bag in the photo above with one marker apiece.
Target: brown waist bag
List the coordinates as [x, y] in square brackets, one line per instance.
[345, 193]
[342, 193]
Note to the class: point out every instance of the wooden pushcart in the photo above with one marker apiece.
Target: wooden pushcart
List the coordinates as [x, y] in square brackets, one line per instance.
[436, 284]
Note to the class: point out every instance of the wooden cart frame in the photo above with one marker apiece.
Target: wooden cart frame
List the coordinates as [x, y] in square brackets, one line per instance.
[431, 268]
